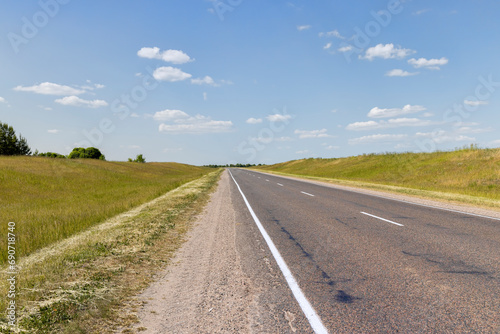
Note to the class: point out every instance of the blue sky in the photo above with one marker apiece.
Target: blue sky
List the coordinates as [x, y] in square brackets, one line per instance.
[246, 81]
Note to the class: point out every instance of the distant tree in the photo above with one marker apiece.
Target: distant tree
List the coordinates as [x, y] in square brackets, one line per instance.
[10, 144]
[138, 158]
[86, 153]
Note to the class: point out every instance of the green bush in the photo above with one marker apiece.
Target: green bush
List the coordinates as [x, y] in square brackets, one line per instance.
[138, 158]
[86, 153]
[49, 155]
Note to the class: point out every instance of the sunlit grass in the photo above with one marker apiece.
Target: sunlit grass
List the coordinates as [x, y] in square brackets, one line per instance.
[471, 172]
[52, 199]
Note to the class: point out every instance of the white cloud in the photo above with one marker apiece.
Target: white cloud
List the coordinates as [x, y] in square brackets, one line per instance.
[252, 120]
[475, 103]
[331, 147]
[48, 88]
[363, 125]
[399, 73]
[93, 87]
[53, 131]
[75, 101]
[171, 56]
[441, 136]
[170, 115]
[205, 96]
[312, 134]
[205, 126]
[327, 46]
[431, 64]
[2, 100]
[134, 115]
[387, 51]
[376, 139]
[171, 74]
[392, 112]
[204, 81]
[469, 129]
[181, 122]
[304, 27]
[302, 152]
[333, 33]
[345, 48]
[278, 118]
[451, 139]
[207, 80]
[392, 123]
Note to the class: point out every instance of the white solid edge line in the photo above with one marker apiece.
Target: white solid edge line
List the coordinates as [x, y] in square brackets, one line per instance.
[309, 312]
[381, 196]
[386, 220]
[307, 193]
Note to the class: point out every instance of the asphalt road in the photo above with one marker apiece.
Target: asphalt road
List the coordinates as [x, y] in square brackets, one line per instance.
[366, 264]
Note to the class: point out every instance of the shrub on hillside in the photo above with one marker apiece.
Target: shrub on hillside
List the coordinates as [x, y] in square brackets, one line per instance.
[138, 158]
[86, 153]
[49, 155]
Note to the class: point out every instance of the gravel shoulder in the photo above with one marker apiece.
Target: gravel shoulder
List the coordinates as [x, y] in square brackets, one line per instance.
[205, 289]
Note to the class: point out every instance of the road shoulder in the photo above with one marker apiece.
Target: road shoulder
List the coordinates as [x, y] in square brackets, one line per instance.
[205, 289]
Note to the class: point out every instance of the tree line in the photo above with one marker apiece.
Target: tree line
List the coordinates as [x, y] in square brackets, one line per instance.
[13, 144]
[233, 165]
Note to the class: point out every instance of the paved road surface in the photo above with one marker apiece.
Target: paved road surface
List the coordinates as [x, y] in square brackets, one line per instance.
[365, 264]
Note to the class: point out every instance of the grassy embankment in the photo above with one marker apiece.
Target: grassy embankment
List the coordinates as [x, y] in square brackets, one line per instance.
[465, 175]
[51, 199]
[80, 284]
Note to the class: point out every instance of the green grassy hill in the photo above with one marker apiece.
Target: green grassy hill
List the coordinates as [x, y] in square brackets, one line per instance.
[51, 199]
[472, 172]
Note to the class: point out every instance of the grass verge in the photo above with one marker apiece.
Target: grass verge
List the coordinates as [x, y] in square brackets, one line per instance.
[82, 284]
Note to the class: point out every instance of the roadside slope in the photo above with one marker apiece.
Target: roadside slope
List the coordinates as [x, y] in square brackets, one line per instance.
[467, 175]
[51, 199]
